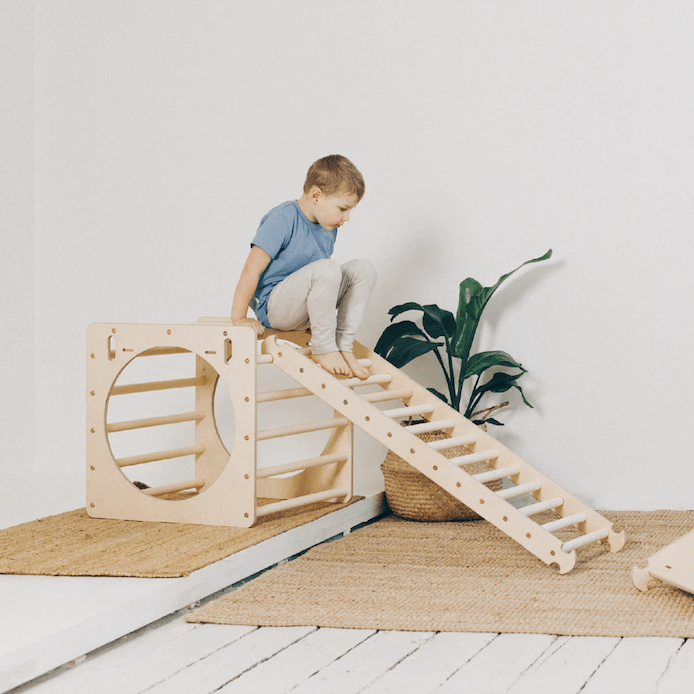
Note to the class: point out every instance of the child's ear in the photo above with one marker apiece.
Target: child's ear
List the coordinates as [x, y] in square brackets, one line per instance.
[315, 194]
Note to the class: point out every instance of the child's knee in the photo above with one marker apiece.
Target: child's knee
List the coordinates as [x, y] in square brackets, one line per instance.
[362, 270]
[327, 270]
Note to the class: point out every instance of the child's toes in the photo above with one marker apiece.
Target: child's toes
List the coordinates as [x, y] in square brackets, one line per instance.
[357, 370]
[333, 363]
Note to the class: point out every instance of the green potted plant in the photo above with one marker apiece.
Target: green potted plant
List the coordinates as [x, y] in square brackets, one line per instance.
[450, 340]
[410, 493]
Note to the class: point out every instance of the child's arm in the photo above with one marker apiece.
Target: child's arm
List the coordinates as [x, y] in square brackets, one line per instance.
[255, 265]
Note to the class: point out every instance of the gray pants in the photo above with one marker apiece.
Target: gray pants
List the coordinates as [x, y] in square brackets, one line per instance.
[327, 297]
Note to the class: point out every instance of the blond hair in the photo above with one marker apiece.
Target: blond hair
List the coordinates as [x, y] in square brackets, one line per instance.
[335, 174]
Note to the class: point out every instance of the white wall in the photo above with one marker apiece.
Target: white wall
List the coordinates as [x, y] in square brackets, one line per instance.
[487, 132]
[16, 240]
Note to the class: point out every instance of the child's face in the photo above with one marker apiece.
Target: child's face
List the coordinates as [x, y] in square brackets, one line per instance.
[332, 211]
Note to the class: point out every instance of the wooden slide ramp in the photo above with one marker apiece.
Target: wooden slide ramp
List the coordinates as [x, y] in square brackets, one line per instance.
[673, 564]
[382, 424]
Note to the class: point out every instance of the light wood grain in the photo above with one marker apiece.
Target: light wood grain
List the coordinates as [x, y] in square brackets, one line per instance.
[431, 665]
[299, 663]
[498, 666]
[636, 666]
[229, 662]
[364, 664]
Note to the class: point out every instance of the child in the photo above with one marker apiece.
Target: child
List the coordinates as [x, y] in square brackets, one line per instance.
[289, 279]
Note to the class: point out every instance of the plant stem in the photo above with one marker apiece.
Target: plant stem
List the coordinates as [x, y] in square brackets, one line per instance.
[473, 403]
[455, 396]
[489, 410]
[449, 381]
[461, 380]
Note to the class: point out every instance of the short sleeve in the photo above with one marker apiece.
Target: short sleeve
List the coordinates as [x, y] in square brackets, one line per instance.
[273, 233]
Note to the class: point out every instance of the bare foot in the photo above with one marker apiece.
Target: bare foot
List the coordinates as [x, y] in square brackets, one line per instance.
[332, 362]
[359, 371]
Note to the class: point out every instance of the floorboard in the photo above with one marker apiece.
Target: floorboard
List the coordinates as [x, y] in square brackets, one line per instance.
[431, 664]
[143, 662]
[679, 676]
[566, 666]
[298, 663]
[220, 667]
[104, 664]
[364, 664]
[498, 666]
[635, 666]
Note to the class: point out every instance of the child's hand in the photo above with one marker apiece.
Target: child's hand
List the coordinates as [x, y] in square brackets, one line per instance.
[250, 323]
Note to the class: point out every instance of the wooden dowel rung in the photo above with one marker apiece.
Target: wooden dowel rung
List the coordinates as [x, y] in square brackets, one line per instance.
[160, 351]
[157, 385]
[540, 506]
[400, 412]
[513, 492]
[565, 522]
[301, 465]
[176, 487]
[161, 455]
[366, 363]
[443, 444]
[155, 421]
[431, 426]
[387, 395]
[302, 428]
[478, 457]
[498, 474]
[286, 394]
[301, 501]
[586, 539]
[371, 380]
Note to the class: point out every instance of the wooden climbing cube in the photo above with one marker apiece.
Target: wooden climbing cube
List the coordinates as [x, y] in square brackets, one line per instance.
[225, 486]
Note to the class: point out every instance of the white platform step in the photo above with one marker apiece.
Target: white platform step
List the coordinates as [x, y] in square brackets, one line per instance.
[47, 621]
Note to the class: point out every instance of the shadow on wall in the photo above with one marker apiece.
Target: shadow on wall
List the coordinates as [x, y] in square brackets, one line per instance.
[514, 293]
[410, 274]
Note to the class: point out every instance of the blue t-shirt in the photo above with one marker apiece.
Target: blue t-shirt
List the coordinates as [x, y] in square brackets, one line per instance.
[288, 237]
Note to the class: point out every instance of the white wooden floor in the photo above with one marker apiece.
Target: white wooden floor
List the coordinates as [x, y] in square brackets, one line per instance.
[173, 656]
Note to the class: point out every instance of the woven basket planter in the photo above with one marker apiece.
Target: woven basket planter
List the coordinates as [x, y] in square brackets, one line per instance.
[412, 495]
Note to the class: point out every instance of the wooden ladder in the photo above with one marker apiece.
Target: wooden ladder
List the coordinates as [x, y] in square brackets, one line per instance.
[450, 474]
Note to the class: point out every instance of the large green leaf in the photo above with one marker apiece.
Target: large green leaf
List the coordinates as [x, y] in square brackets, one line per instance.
[471, 304]
[489, 420]
[484, 360]
[436, 321]
[499, 383]
[408, 348]
[401, 308]
[395, 332]
[439, 394]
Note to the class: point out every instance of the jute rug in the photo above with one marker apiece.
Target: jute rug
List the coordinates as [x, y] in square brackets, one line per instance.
[468, 577]
[73, 544]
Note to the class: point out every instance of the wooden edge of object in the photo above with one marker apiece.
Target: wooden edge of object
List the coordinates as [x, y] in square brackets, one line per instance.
[641, 577]
[616, 540]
